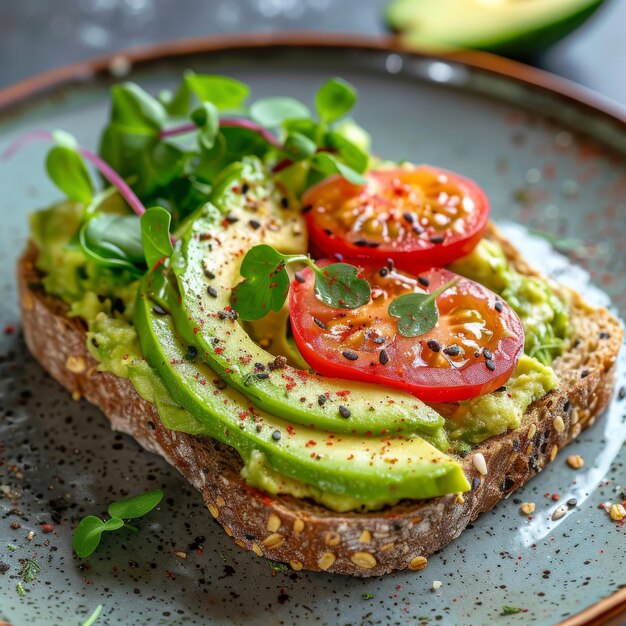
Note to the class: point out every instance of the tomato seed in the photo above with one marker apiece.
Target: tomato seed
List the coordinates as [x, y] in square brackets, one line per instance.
[452, 350]
[422, 280]
[434, 345]
[319, 323]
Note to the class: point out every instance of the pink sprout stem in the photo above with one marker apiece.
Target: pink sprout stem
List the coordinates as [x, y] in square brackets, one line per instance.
[100, 164]
[227, 123]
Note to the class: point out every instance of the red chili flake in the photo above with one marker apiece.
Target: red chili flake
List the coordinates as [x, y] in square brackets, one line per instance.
[9, 329]
[555, 497]
[290, 429]
[351, 457]
[47, 528]
[219, 350]
[310, 442]
[344, 393]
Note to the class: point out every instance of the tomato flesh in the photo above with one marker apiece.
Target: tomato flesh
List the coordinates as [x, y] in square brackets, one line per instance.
[420, 216]
[472, 350]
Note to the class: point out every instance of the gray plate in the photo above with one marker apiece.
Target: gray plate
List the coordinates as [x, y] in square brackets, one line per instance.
[545, 160]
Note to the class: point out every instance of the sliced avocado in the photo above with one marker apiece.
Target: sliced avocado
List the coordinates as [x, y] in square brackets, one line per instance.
[506, 26]
[206, 264]
[372, 469]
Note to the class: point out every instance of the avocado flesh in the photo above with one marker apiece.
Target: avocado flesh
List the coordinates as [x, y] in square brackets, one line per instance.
[374, 470]
[208, 256]
[501, 26]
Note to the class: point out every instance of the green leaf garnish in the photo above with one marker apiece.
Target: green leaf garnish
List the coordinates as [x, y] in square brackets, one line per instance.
[338, 285]
[30, 570]
[155, 235]
[328, 164]
[299, 147]
[224, 92]
[334, 99]
[417, 312]
[137, 506]
[272, 112]
[266, 283]
[68, 171]
[93, 617]
[207, 119]
[510, 610]
[88, 533]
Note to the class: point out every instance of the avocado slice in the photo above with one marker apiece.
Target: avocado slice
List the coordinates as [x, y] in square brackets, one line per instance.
[373, 469]
[206, 265]
[504, 26]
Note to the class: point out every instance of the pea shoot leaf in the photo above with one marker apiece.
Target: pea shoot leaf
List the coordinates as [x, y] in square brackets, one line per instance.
[68, 171]
[155, 235]
[349, 153]
[338, 285]
[265, 285]
[207, 119]
[224, 92]
[328, 164]
[417, 312]
[88, 534]
[137, 506]
[334, 99]
[272, 112]
[298, 147]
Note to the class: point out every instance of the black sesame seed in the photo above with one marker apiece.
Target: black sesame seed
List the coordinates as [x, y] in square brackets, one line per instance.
[205, 470]
[306, 208]
[191, 354]
[231, 219]
[320, 323]
[434, 345]
[284, 202]
[417, 229]
[259, 366]
[344, 411]
[321, 400]
[338, 256]
[422, 280]
[576, 343]
[212, 291]
[572, 502]
[584, 374]
[158, 310]
[621, 394]
[350, 355]
[491, 366]
[255, 224]
[328, 231]
[360, 243]
[498, 306]
[299, 277]
[383, 357]
[452, 350]
[262, 375]
[390, 264]
[373, 244]
[409, 217]
[567, 406]
[276, 435]
[379, 340]
[209, 274]
[604, 335]
[500, 389]
[436, 239]
[487, 354]
[245, 188]
[383, 272]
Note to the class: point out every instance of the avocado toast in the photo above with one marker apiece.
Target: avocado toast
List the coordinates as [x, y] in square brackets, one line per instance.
[370, 516]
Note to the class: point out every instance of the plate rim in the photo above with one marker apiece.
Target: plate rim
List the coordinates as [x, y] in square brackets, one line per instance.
[91, 69]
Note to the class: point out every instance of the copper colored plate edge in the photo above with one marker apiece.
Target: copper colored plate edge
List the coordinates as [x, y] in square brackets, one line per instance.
[603, 610]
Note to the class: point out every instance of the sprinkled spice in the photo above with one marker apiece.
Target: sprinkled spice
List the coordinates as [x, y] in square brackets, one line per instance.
[328, 231]
[350, 355]
[409, 217]
[159, 310]
[491, 366]
[434, 345]
[284, 202]
[498, 306]
[279, 363]
[212, 291]
[500, 389]
[319, 323]
[262, 375]
[344, 411]
[321, 400]
[452, 350]
[306, 208]
[276, 435]
[417, 229]
[299, 277]
[379, 340]
[245, 188]
[422, 280]
[231, 219]
[572, 502]
[584, 374]
[361, 243]
[383, 272]
[436, 239]
[338, 256]
[621, 394]
[488, 354]
[191, 354]
[255, 224]
[383, 357]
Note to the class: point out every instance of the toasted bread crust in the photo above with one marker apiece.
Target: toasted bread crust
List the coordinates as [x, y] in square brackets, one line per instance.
[300, 532]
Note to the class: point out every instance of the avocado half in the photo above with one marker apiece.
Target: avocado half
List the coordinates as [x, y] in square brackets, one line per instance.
[511, 27]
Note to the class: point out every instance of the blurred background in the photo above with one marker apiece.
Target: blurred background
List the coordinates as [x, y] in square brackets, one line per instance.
[36, 35]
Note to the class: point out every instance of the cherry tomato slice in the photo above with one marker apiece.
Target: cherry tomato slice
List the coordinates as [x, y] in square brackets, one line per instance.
[472, 350]
[420, 216]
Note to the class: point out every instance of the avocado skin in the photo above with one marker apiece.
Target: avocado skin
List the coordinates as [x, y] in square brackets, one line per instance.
[376, 470]
[520, 45]
[201, 307]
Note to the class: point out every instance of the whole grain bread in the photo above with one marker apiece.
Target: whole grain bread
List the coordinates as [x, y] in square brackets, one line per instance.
[300, 532]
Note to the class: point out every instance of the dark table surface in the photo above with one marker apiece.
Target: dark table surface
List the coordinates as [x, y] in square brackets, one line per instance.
[36, 35]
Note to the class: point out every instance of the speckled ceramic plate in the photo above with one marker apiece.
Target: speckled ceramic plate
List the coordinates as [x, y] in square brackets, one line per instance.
[549, 160]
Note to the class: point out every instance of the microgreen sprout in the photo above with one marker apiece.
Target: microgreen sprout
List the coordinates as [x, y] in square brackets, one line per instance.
[88, 533]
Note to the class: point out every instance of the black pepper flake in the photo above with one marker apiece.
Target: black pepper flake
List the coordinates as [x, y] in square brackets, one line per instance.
[212, 291]
[452, 350]
[231, 219]
[436, 239]
[350, 355]
[383, 272]
[255, 224]
[409, 217]
[276, 435]
[328, 231]
[245, 188]
[158, 310]
[344, 411]
[383, 357]
[434, 345]
[498, 306]
[488, 354]
[584, 374]
[205, 470]
[422, 280]
[191, 354]
[320, 323]
[500, 389]
[151, 425]
[321, 400]
[361, 243]
[567, 406]
[491, 366]
[576, 343]
[284, 202]
[262, 375]
[299, 277]
[209, 274]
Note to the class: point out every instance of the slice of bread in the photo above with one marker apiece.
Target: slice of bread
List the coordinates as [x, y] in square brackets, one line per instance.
[300, 532]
